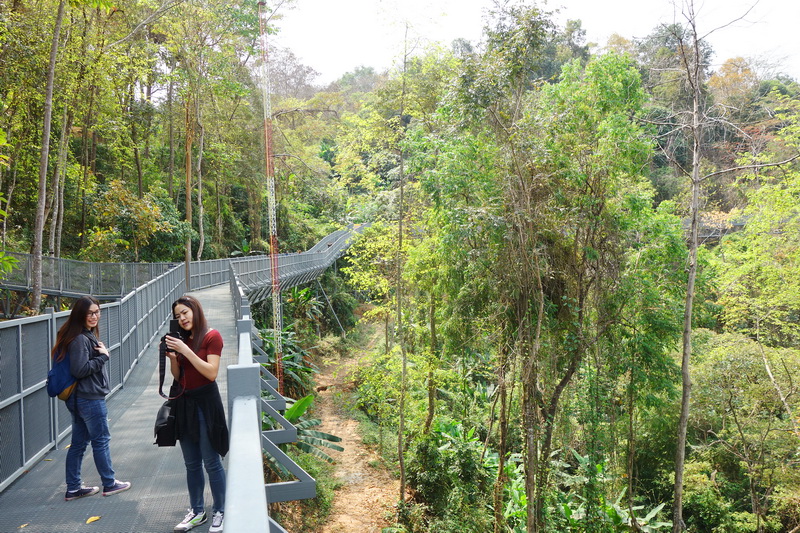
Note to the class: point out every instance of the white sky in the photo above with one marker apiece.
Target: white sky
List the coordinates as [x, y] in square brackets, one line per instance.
[335, 37]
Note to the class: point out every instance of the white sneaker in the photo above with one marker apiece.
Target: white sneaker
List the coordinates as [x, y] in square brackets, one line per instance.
[216, 522]
[191, 520]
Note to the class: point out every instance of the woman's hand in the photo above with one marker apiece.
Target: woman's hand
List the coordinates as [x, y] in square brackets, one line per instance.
[176, 346]
[101, 348]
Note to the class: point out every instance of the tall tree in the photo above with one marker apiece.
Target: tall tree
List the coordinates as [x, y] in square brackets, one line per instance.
[692, 74]
[38, 231]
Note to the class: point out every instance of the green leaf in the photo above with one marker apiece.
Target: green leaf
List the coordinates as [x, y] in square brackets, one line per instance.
[299, 408]
[315, 436]
[653, 513]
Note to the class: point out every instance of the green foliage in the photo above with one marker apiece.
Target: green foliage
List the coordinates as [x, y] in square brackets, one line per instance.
[7, 263]
[169, 240]
[450, 479]
[3, 144]
[96, 4]
[308, 515]
[298, 366]
[743, 405]
[304, 307]
[378, 390]
[757, 266]
[706, 509]
[127, 224]
[580, 513]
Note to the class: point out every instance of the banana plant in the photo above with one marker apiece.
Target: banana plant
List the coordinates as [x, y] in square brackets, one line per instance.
[309, 440]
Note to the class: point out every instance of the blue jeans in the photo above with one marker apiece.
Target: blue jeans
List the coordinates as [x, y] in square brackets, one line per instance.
[89, 424]
[195, 455]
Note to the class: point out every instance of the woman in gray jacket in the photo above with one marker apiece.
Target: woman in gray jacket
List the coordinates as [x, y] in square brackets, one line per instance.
[78, 339]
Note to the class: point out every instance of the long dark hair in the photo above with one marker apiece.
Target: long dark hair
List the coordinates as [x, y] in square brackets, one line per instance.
[199, 324]
[74, 325]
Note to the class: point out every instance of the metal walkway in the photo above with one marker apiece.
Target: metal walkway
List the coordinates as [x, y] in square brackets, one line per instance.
[33, 426]
[112, 281]
[158, 498]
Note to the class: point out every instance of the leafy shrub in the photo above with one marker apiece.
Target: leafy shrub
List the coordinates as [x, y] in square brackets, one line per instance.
[704, 507]
[309, 515]
[298, 369]
[581, 505]
[786, 508]
[448, 476]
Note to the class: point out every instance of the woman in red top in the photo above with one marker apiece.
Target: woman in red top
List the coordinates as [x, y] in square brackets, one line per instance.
[199, 416]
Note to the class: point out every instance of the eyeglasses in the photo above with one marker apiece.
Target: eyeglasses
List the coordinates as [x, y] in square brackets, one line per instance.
[94, 313]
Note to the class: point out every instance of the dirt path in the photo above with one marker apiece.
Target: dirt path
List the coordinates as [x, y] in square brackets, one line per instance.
[365, 503]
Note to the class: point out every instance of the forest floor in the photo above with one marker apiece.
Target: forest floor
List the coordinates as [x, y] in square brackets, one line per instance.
[365, 500]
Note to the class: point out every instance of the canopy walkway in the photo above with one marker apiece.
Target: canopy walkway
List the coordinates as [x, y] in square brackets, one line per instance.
[35, 426]
[113, 281]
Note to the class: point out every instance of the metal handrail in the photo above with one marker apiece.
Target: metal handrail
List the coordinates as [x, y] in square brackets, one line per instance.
[245, 401]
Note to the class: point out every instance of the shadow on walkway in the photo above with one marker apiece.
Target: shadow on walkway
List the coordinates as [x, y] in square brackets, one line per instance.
[158, 498]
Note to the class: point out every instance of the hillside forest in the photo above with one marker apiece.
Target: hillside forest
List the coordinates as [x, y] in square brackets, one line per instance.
[582, 261]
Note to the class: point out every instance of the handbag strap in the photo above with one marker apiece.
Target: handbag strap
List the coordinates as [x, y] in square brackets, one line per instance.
[162, 370]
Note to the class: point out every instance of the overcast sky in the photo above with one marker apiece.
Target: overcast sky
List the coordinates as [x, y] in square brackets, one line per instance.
[335, 37]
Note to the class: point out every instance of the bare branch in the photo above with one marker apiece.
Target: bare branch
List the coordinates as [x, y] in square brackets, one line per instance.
[281, 158]
[750, 167]
[158, 13]
[274, 11]
[731, 22]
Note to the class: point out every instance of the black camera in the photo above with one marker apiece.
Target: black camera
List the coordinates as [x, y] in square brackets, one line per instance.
[175, 331]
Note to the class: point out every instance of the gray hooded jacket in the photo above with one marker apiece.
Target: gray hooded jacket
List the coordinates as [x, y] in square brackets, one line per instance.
[89, 367]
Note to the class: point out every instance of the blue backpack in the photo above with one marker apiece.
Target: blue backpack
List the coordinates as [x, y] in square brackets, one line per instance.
[60, 381]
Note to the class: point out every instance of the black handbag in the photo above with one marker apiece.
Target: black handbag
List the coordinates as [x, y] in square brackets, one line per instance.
[165, 425]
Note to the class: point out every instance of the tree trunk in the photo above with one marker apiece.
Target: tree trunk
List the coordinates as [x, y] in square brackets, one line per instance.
[401, 340]
[531, 426]
[59, 222]
[547, 419]
[631, 447]
[137, 161]
[188, 195]
[149, 120]
[38, 231]
[59, 175]
[386, 332]
[694, 74]
[86, 161]
[434, 359]
[502, 478]
[399, 316]
[171, 140]
[220, 228]
[199, 171]
[531, 407]
[9, 195]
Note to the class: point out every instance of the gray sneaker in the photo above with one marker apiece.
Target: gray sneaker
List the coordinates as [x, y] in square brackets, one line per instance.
[216, 522]
[81, 493]
[118, 486]
[191, 520]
